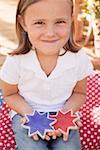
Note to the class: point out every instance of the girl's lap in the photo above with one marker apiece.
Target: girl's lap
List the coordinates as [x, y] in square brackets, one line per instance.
[24, 142]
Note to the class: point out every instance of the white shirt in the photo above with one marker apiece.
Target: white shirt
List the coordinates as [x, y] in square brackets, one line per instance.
[41, 92]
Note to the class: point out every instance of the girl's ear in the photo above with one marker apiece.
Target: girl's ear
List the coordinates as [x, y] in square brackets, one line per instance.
[21, 20]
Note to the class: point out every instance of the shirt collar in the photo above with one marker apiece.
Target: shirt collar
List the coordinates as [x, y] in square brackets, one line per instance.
[65, 62]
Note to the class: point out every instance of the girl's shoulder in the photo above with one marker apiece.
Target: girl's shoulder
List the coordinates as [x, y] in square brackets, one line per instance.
[81, 52]
[77, 59]
[82, 56]
[17, 58]
[72, 56]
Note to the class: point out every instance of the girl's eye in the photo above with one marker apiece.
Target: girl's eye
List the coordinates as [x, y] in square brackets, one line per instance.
[60, 22]
[39, 23]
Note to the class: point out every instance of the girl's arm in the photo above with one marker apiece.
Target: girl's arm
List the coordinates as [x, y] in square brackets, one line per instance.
[15, 101]
[75, 101]
[77, 98]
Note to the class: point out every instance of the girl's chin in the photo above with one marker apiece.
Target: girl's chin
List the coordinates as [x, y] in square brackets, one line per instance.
[48, 52]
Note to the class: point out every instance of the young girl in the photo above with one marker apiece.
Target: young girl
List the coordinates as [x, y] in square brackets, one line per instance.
[47, 72]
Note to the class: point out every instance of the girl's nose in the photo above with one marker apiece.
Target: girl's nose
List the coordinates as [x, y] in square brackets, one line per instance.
[50, 31]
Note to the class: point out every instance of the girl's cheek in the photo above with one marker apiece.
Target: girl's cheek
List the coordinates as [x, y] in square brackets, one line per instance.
[63, 32]
[37, 31]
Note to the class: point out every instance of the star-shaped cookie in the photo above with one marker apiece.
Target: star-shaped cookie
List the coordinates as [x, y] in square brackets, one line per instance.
[39, 123]
[64, 121]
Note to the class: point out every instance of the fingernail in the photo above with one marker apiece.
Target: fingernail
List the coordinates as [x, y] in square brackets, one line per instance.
[36, 138]
[54, 137]
[48, 139]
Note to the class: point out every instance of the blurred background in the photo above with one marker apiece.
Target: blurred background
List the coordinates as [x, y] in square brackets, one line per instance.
[87, 24]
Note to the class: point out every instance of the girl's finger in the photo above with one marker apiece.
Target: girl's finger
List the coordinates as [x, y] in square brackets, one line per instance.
[54, 136]
[47, 137]
[65, 137]
[23, 120]
[58, 133]
[79, 123]
[50, 133]
[35, 137]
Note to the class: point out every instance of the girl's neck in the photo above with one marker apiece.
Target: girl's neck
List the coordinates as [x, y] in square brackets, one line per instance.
[47, 62]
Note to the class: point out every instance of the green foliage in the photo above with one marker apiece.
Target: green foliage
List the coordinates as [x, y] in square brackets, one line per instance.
[84, 7]
[96, 8]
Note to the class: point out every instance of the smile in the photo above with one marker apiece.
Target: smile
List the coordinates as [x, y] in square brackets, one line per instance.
[51, 41]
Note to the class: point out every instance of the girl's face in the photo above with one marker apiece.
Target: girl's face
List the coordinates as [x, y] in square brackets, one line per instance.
[48, 23]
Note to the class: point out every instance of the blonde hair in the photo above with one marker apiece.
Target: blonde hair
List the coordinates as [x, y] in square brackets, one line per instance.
[24, 45]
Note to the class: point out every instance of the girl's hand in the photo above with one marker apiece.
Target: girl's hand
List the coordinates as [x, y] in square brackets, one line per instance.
[54, 134]
[79, 123]
[65, 135]
[23, 120]
[35, 136]
[58, 133]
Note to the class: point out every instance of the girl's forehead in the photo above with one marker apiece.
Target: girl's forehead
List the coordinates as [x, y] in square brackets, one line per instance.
[50, 5]
[28, 3]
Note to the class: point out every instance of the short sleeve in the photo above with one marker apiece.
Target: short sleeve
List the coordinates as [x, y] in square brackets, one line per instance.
[10, 70]
[84, 65]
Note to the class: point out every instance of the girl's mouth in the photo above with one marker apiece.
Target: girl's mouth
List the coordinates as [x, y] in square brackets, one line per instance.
[50, 41]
